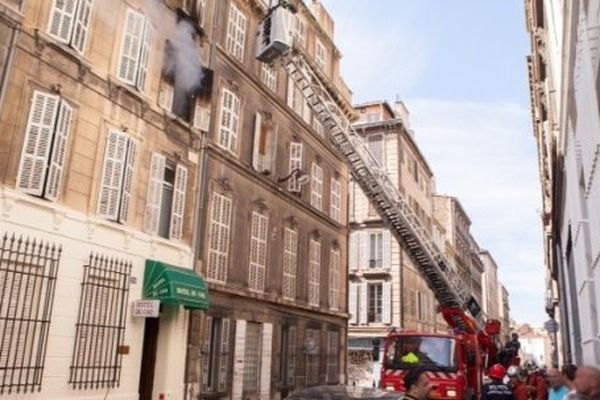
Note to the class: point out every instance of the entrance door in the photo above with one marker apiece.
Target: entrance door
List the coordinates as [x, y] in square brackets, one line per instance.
[148, 358]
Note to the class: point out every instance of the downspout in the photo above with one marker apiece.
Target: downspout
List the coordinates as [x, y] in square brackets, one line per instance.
[401, 288]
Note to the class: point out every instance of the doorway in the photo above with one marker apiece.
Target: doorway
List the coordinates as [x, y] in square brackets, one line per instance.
[148, 358]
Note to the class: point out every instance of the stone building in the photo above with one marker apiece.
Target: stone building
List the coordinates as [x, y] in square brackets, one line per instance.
[272, 218]
[565, 97]
[504, 309]
[386, 288]
[490, 299]
[97, 197]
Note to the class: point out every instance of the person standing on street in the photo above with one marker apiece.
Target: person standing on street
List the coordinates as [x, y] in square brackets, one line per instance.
[519, 390]
[496, 389]
[535, 381]
[587, 382]
[417, 384]
[558, 388]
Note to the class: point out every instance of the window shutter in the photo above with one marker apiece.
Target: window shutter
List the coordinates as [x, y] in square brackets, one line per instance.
[131, 47]
[206, 339]
[59, 151]
[238, 359]
[224, 362]
[165, 96]
[387, 250]
[224, 237]
[36, 148]
[365, 249]
[256, 146]
[154, 196]
[271, 149]
[291, 351]
[144, 54]
[230, 109]
[82, 23]
[290, 92]
[295, 163]
[386, 303]
[353, 302]
[362, 303]
[127, 179]
[267, 351]
[201, 117]
[178, 207]
[62, 19]
[353, 250]
[112, 175]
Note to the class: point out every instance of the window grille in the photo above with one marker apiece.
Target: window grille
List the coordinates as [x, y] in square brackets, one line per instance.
[100, 328]
[333, 357]
[28, 271]
[313, 341]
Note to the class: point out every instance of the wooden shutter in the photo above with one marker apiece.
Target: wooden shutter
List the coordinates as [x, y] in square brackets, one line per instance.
[127, 180]
[36, 147]
[82, 23]
[387, 250]
[62, 18]
[144, 54]
[59, 151]
[267, 351]
[112, 175]
[291, 352]
[154, 195]
[131, 47]
[257, 137]
[230, 109]
[165, 96]
[178, 206]
[386, 303]
[353, 302]
[238, 359]
[295, 163]
[201, 117]
[365, 249]
[363, 305]
[205, 352]
[224, 356]
[290, 92]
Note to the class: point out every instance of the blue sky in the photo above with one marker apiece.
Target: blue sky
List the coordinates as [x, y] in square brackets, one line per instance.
[459, 66]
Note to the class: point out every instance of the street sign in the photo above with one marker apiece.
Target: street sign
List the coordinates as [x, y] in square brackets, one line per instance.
[146, 308]
[551, 326]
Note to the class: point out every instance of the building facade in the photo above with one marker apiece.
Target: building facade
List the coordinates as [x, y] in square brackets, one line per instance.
[272, 218]
[563, 75]
[491, 301]
[98, 195]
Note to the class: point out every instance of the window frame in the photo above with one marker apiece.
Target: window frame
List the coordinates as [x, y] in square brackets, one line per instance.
[290, 263]
[316, 186]
[222, 231]
[235, 35]
[314, 272]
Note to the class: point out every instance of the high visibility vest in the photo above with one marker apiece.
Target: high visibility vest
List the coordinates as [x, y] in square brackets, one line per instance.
[410, 358]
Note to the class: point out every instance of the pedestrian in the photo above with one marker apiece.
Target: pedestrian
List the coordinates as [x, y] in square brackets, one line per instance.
[516, 384]
[587, 382]
[417, 384]
[568, 371]
[558, 388]
[496, 389]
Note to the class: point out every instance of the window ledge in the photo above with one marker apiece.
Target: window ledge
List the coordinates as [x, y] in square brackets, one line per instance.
[116, 84]
[42, 38]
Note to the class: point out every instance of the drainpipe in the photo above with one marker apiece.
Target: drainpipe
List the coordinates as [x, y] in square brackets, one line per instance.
[401, 288]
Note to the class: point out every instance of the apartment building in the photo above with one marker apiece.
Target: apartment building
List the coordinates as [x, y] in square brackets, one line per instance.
[272, 218]
[491, 299]
[563, 75]
[385, 286]
[98, 197]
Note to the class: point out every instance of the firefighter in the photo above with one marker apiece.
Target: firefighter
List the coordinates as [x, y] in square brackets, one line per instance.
[496, 389]
[412, 355]
[513, 346]
[519, 389]
[417, 384]
[535, 381]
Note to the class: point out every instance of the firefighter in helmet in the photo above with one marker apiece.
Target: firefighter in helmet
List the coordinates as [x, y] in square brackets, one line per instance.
[516, 384]
[412, 354]
[496, 389]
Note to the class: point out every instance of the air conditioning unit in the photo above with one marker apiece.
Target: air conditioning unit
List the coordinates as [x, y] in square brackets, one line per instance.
[274, 35]
[201, 118]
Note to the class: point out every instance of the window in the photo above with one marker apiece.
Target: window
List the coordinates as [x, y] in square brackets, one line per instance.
[133, 63]
[313, 344]
[195, 9]
[252, 356]
[316, 186]
[298, 29]
[335, 201]
[333, 357]
[268, 76]
[69, 22]
[314, 273]
[117, 175]
[215, 354]
[375, 293]
[100, 328]
[265, 145]
[218, 237]
[373, 117]
[258, 252]
[28, 272]
[318, 127]
[376, 147]
[320, 54]
[334, 279]
[295, 166]
[236, 33]
[230, 119]
[297, 101]
[376, 250]
[288, 355]
[290, 261]
[165, 201]
[45, 146]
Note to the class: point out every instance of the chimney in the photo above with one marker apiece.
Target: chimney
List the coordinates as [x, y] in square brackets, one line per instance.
[402, 112]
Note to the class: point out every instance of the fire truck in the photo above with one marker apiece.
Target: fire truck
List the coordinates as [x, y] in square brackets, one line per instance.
[457, 360]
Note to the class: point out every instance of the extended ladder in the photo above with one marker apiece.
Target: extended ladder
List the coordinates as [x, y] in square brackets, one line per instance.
[401, 220]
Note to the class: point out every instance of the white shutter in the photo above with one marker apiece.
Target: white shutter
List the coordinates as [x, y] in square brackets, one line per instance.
[387, 252]
[365, 249]
[131, 47]
[82, 23]
[353, 302]
[178, 206]
[362, 303]
[271, 149]
[112, 175]
[154, 194]
[295, 163]
[144, 54]
[353, 250]
[59, 151]
[224, 362]
[127, 179]
[205, 352]
[38, 137]
[256, 146]
[230, 110]
[265, 362]
[62, 19]
[201, 117]
[386, 303]
[290, 92]
[238, 359]
[165, 96]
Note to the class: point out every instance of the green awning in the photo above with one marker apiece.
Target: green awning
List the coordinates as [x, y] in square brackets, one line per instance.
[174, 285]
